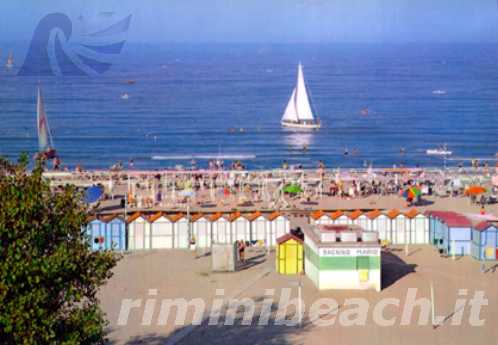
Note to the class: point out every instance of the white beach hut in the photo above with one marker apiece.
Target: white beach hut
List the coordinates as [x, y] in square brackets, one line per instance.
[382, 224]
[320, 218]
[161, 231]
[419, 227]
[181, 231]
[339, 217]
[240, 227]
[371, 223]
[259, 227]
[202, 231]
[221, 229]
[359, 218]
[279, 225]
[399, 227]
[138, 232]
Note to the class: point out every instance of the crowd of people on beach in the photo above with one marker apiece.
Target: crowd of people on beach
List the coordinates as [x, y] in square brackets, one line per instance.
[238, 187]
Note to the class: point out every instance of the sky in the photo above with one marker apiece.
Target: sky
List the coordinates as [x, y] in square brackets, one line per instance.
[269, 21]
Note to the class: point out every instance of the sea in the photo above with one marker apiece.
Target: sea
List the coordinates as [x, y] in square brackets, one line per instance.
[382, 104]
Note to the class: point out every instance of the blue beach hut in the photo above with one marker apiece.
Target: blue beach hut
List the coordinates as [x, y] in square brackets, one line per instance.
[485, 241]
[107, 233]
[450, 232]
[115, 232]
[95, 231]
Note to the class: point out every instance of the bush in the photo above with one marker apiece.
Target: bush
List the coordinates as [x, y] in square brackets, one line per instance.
[49, 277]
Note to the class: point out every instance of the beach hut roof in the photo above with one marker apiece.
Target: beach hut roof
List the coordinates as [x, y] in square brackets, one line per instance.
[393, 213]
[254, 216]
[234, 216]
[110, 217]
[134, 217]
[274, 215]
[317, 214]
[336, 214]
[176, 217]
[355, 214]
[91, 218]
[373, 214]
[197, 216]
[450, 218]
[483, 226]
[287, 237]
[156, 216]
[215, 216]
[412, 213]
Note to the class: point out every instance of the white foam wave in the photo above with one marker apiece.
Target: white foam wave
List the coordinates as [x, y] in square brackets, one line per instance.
[204, 156]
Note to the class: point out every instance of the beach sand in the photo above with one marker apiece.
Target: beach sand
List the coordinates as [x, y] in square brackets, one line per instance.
[170, 274]
[180, 274]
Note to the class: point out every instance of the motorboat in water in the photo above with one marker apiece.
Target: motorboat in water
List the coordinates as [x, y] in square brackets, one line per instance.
[440, 151]
[298, 114]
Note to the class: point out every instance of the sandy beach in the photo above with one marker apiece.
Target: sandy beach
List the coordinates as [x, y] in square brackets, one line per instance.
[180, 275]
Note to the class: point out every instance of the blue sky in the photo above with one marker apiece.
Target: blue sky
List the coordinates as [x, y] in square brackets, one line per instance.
[270, 21]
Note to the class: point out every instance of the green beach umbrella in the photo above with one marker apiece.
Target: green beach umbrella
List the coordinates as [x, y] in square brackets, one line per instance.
[293, 189]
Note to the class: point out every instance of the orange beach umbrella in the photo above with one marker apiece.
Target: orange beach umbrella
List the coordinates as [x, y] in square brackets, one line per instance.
[475, 190]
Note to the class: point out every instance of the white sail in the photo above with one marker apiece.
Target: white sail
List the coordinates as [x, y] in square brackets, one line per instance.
[290, 113]
[303, 106]
[10, 60]
[44, 139]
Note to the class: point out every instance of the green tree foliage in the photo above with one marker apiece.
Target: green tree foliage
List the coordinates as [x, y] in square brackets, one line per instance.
[49, 277]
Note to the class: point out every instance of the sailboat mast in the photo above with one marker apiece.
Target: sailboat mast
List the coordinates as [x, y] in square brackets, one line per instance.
[44, 136]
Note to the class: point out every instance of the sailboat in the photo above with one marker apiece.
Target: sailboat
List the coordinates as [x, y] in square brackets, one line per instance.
[298, 113]
[45, 144]
[10, 61]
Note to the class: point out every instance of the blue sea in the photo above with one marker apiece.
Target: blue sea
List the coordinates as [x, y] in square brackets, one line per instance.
[187, 98]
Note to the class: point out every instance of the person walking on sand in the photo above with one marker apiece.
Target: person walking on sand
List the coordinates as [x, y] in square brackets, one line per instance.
[241, 247]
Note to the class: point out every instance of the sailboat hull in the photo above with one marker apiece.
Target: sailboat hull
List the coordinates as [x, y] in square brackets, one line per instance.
[300, 126]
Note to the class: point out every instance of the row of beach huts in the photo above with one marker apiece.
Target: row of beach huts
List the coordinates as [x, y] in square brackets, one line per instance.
[179, 231]
[450, 232]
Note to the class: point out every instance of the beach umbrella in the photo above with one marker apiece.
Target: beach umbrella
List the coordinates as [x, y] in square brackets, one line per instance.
[475, 190]
[412, 193]
[414, 190]
[293, 189]
[93, 194]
